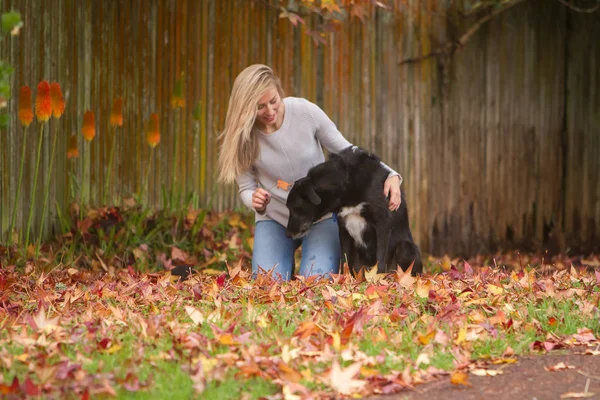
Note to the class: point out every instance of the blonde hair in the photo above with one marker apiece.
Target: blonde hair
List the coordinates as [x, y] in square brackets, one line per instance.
[239, 146]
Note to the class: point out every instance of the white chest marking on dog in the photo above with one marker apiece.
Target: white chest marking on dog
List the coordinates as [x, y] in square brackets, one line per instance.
[355, 224]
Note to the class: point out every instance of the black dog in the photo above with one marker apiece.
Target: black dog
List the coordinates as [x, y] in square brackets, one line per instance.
[350, 184]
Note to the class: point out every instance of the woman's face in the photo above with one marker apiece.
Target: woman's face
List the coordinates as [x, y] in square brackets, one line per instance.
[270, 110]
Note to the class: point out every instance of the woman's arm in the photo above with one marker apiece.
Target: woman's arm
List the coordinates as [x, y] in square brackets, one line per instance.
[333, 140]
[248, 186]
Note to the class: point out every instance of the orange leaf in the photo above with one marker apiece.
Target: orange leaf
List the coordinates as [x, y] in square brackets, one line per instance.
[282, 185]
[459, 378]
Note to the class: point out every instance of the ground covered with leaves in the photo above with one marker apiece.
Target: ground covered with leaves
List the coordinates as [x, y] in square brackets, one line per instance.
[97, 313]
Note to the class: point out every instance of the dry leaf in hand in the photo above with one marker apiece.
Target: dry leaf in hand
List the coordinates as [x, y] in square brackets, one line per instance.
[283, 185]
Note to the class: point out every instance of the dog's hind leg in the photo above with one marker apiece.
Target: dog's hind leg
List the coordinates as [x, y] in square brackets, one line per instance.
[406, 253]
[383, 240]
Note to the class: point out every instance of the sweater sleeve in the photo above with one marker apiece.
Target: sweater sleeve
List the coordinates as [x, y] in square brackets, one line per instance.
[247, 184]
[333, 140]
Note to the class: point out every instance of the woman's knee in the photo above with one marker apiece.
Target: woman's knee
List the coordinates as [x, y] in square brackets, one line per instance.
[272, 250]
[321, 250]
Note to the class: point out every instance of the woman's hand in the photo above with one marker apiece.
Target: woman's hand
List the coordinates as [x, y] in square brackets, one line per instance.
[392, 187]
[260, 199]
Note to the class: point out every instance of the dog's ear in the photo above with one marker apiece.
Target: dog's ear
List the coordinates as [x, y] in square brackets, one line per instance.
[312, 195]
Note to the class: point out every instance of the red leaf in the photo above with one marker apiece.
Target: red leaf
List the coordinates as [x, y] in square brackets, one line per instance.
[104, 343]
[468, 269]
[454, 273]
[197, 292]
[14, 388]
[85, 395]
[221, 280]
[30, 388]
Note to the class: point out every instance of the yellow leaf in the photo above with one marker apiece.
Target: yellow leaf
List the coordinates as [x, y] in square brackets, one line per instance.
[459, 378]
[211, 272]
[368, 372]
[336, 341]
[227, 339]
[423, 288]
[425, 339]
[505, 361]
[358, 296]
[446, 265]
[208, 364]
[307, 375]
[493, 289]
[113, 349]
[462, 335]
[371, 275]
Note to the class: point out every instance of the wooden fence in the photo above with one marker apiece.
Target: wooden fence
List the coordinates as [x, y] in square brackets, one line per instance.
[499, 146]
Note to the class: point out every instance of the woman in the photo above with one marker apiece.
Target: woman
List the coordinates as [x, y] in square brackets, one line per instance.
[269, 142]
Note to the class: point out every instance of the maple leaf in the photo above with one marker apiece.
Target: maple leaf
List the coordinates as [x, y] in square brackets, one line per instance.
[293, 17]
[459, 378]
[288, 374]
[317, 36]
[30, 388]
[423, 288]
[283, 185]
[342, 380]
[404, 278]
[584, 335]
[330, 5]
[306, 329]
[43, 323]
[359, 11]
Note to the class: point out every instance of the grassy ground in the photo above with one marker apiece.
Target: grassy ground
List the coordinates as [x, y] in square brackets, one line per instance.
[81, 320]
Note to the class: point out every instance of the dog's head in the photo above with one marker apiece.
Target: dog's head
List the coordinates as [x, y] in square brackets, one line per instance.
[315, 195]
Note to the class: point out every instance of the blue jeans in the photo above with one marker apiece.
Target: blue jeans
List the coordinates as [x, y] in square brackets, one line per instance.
[320, 250]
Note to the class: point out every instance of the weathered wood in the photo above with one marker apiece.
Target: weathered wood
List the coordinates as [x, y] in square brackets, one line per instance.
[499, 146]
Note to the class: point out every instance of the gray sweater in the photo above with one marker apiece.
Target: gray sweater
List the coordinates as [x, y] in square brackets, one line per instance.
[288, 153]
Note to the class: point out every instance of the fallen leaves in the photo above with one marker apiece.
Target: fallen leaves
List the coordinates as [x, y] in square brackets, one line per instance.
[92, 331]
